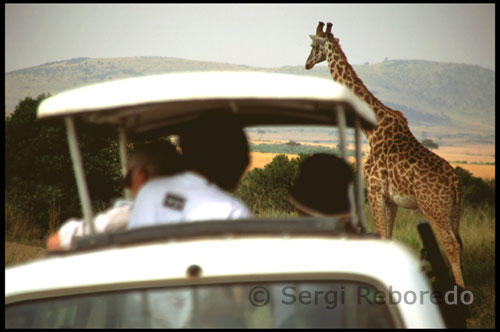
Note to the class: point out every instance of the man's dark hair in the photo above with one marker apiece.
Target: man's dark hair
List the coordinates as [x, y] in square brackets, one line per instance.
[158, 158]
[216, 146]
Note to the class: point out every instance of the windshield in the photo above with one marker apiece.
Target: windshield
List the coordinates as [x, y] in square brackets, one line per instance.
[294, 304]
[307, 139]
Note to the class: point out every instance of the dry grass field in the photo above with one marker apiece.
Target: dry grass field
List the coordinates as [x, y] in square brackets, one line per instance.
[19, 253]
[261, 159]
[467, 157]
[486, 172]
[471, 154]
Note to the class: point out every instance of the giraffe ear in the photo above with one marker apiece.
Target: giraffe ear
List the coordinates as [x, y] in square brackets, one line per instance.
[317, 40]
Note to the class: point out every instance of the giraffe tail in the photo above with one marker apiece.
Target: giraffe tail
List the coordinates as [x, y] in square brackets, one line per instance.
[456, 212]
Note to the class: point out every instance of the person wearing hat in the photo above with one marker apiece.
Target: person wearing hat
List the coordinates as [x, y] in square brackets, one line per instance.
[321, 188]
[216, 153]
[147, 161]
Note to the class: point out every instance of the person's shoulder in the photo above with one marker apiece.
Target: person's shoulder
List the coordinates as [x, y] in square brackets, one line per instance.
[121, 202]
[222, 195]
[160, 182]
[239, 203]
[238, 208]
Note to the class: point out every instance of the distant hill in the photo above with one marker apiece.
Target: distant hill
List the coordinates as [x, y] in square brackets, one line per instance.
[63, 75]
[444, 101]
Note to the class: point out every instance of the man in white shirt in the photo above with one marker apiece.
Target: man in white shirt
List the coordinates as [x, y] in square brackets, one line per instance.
[216, 153]
[147, 162]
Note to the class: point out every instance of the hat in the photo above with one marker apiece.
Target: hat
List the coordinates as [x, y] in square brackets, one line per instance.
[157, 158]
[321, 188]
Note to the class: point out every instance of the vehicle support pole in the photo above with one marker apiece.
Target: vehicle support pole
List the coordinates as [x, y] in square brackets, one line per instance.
[79, 175]
[342, 125]
[122, 145]
[359, 176]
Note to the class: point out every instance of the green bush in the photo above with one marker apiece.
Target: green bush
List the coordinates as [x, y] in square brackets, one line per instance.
[266, 189]
[476, 191]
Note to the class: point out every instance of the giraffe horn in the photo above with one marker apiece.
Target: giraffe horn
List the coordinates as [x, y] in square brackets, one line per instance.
[319, 29]
[329, 28]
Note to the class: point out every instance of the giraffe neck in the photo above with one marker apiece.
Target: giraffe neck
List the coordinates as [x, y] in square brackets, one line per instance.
[342, 72]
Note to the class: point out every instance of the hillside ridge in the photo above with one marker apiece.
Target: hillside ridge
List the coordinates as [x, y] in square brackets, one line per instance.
[442, 100]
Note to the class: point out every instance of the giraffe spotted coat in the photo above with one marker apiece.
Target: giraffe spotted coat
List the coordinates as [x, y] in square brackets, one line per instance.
[399, 170]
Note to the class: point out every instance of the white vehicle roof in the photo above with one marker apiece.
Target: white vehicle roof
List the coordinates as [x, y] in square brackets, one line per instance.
[144, 103]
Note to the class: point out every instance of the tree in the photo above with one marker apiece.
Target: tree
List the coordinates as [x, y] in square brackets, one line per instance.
[38, 168]
[292, 143]
[430, 144]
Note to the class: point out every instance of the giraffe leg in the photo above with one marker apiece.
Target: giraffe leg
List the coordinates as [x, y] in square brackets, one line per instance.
[384, 214]
[378, 213]
[451, 243]
[384, 211]
[390, 211]
[453, 252]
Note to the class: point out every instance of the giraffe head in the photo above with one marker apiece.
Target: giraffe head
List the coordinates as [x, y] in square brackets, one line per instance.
[319, 46]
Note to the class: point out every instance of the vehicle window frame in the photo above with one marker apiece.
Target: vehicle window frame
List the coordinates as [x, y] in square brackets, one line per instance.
[391, 310]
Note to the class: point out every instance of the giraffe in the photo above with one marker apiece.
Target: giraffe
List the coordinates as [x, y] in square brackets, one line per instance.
[399, 171]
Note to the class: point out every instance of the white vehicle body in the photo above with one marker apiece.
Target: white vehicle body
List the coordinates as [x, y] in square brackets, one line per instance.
[236, 260]
[312, 253]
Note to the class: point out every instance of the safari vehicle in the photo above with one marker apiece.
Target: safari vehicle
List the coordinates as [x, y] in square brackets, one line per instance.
[259, 272]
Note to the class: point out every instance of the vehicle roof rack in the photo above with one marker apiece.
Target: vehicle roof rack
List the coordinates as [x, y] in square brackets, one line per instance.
[240, 227]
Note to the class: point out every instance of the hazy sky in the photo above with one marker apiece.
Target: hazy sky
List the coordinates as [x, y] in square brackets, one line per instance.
[255, 35]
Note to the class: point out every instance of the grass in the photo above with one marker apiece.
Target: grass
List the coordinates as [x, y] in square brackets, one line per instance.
[18, 253]
[477, 229]
[478, 234]
[20, 230]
